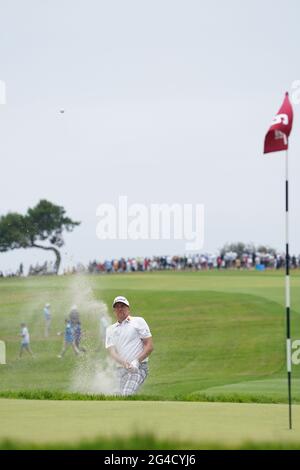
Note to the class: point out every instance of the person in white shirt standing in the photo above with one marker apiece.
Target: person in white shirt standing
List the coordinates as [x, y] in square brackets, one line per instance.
[47, 316]
[25, 341]
[129, 342]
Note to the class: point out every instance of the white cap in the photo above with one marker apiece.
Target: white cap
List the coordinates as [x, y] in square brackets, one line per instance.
[73, 308]
[121, 299]
[47, 305]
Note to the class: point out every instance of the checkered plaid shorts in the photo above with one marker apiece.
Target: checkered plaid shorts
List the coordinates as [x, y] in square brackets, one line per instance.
[129, 382]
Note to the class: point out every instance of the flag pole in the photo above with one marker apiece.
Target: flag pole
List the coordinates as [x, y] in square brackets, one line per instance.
[276, 140]
[287, 291]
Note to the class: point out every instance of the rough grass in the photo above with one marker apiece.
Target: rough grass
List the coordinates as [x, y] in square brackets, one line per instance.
[193, 397]
[147, 442]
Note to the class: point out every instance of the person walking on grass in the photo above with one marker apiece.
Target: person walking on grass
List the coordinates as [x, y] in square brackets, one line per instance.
[68, 339]
[25, 340]
[129, 343]
[77, 335]
[47, 316]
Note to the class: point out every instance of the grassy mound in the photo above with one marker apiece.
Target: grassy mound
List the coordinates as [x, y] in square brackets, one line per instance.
[217, 336]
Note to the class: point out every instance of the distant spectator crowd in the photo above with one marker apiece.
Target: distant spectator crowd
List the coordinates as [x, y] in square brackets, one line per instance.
[195, 262]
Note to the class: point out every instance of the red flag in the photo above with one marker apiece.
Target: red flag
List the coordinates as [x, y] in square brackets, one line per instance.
[277, 136]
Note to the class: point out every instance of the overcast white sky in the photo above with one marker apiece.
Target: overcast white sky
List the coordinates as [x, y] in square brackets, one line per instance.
[165, 101]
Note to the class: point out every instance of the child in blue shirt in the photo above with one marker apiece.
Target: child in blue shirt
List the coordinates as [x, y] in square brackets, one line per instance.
[68, 339]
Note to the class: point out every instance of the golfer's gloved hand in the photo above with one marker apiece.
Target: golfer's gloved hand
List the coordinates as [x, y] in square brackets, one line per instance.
[134, 365]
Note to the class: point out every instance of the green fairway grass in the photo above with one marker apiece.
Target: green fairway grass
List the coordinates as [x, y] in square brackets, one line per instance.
[219, 335]
[26, 423]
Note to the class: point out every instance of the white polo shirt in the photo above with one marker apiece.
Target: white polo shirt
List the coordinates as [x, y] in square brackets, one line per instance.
[25, 335]
[126, 337]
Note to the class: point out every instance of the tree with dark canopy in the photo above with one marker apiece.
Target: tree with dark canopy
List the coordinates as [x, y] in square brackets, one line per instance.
[43, 223]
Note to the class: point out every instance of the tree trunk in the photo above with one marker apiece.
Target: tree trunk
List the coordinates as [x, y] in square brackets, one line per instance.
[56, 252]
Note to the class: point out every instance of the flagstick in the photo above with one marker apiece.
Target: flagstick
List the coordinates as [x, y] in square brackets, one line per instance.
[287, 292]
